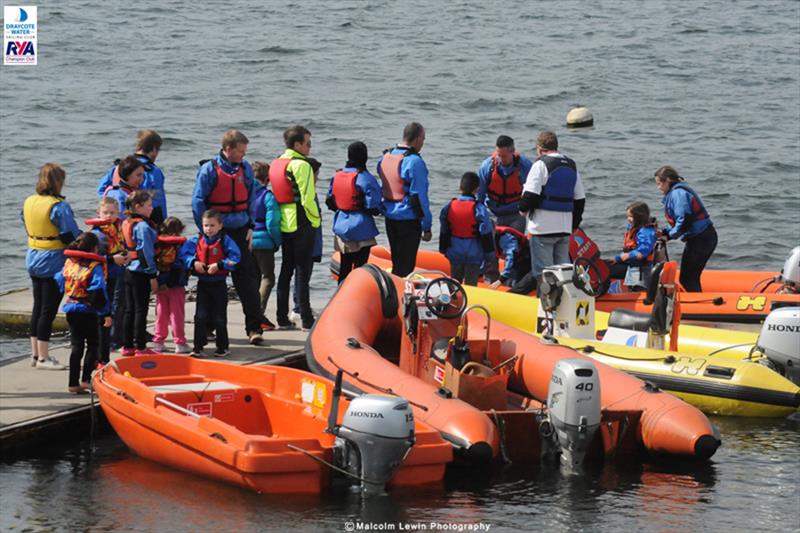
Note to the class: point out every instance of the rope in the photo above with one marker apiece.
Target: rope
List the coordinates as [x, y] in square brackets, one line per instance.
[331, 465]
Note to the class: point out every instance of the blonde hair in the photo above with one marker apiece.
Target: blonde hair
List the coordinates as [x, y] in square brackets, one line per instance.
[51, 180]
[106, 200]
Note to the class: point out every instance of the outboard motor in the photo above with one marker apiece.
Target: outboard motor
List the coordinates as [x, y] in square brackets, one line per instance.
[779, 341]
[565, 308]
[375, 436]
[573, 402]
[790, 273]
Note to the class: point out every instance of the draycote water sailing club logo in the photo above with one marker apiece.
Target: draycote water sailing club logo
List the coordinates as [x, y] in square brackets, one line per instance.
[19, 35]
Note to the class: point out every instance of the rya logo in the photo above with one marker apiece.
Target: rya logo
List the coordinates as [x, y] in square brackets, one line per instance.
[20, 48]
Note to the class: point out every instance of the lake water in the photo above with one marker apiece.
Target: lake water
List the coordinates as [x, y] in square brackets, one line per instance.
[712, 88]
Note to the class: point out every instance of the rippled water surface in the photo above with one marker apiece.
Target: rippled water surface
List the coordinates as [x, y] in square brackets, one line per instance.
[712, 88]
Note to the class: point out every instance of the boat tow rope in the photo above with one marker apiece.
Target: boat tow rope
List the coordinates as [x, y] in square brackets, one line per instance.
[354, 375]
[331, 465]
[501, 427]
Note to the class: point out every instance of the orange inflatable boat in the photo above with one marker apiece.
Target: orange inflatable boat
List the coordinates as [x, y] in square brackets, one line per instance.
[386, 336]
[263, 428]
[728, 295]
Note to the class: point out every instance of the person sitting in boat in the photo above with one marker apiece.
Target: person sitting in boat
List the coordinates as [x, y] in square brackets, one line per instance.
[356, 196]
[466, 232]
[635, 263]
[83, 282]
[131, 175]
[148, 146]
[211, 256]
[512, 246]
[266, 215]
[107, 226]
[172, 281]
[688, 220]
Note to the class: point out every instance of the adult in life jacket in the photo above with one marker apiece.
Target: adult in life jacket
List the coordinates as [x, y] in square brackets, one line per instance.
[226, 184]
[688, 220]
[466, 232]
[553, 199]
[50, 226]
[404, 175]
[635, 263]
[511, 245]
[131, 173]
[356, 197]
[148, 147]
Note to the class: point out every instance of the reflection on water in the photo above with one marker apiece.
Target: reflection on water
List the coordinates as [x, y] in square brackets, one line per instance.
[752, 483]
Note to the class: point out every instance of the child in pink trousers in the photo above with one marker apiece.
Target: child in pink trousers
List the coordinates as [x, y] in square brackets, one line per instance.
[172, 280]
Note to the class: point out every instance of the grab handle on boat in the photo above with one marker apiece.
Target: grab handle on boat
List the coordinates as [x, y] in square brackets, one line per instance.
[337, 392]
[463, 326]
[177, 407]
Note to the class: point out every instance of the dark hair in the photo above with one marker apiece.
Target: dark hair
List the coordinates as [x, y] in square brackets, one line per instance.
[171, 226]
[261, 171]
[315, 164]
[504, 141]
[86, 242]
[667, 173]
[412, 131]
[640, 212]
[212, 213]
[51, 180]
[469, 182]
[127, 167]
[147, 141]
[547, 140]
[295, 134]
[134, 199]
[233, 138]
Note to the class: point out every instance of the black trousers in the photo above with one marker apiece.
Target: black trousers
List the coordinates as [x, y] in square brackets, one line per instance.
[46, 298]
[404, 237]
[246, 280]
[297, 249]
[211, 308]
[352, 260]
[83, 340]
[137, 302]
[696, 253]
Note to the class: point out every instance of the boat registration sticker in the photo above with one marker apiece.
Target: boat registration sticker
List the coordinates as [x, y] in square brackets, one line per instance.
[202, 408]
[314, 392]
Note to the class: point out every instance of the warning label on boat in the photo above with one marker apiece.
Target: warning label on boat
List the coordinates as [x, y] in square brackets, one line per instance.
[202, 408]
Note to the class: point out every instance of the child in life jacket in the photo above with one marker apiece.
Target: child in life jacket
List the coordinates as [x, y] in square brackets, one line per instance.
[211, 256]
[83, 282]
[172, 281]
[635, 263]
[108, 228]
[139, 234]
[266, 235]
[466, 232]
[511, 246]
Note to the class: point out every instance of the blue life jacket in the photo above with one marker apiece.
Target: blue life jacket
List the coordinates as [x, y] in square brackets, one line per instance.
[558, 194]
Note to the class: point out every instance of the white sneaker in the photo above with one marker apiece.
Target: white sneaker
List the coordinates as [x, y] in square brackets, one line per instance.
[294, 316]
[51, 363]
[157, 347]
[183, 348]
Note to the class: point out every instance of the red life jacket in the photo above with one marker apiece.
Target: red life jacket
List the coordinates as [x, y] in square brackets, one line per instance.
[698, 209]
[122, 185]
[112, 231]
[629, 243]
[504, 190]
[208, 254]
[229, 194]
[127, 234]
[347, 196]
[167, 251]
[284, 186]
[389, 171]
[461, 218]
[78, 273]
[499, 231]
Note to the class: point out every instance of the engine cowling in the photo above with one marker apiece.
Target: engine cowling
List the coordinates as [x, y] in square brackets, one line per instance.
[779, 340]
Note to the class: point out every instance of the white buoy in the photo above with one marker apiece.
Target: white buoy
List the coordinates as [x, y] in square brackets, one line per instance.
[579, 117]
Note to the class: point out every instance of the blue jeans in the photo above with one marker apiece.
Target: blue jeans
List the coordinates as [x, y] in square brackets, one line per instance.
[548, 251]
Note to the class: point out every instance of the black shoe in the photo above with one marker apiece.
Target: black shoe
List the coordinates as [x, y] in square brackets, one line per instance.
[286, 324]
[307, 326]
[221, 353]
[197, 354]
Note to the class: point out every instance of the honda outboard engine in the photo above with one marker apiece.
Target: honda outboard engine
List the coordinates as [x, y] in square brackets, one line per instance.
[573, 402]
[790, 273]
[374, 438]
[779, 340]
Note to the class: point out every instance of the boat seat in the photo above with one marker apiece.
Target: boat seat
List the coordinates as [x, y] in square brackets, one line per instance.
[631, 320]
[197, 386]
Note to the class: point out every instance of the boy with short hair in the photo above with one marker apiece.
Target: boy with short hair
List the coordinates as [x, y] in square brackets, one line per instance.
[211, 255]
[466, 232]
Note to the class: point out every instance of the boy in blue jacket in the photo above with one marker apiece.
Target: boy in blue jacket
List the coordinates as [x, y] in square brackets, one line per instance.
[466, 232]
[211, 256]
[266, 215]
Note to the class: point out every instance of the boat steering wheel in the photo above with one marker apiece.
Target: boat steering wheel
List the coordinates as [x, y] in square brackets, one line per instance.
[445, 298]
[583, 280]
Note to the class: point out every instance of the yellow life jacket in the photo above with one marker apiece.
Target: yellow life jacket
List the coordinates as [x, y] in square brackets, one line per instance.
[42, 233]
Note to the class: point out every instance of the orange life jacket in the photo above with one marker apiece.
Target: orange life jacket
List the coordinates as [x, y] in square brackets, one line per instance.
[389, 171]
[121, 185]
[461, 218]
[127, 234]
[167, 251]
[504, 190]
[629, 243]
[208, 254]
[229, 194]
[77, 274]
[284, 186]
[112, 231]
[347, 196]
